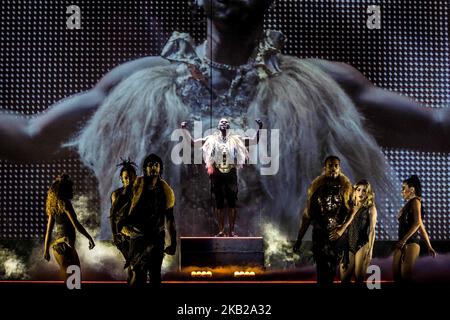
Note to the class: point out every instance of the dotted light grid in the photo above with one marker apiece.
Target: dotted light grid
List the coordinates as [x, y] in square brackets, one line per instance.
[43, 62]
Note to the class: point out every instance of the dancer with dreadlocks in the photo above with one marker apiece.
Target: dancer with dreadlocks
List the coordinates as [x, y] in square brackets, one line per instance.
[120, 206]
[63, 218]
[320, 107]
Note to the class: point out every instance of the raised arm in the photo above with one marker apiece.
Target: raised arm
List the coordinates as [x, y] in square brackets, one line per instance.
[39, 138]
[48, 237]
[68, 209]
[396, 121]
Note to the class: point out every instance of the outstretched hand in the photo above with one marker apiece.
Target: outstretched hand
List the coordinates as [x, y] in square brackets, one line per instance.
[259, 122]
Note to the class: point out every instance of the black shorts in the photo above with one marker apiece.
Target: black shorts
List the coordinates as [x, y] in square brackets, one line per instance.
[224, 186]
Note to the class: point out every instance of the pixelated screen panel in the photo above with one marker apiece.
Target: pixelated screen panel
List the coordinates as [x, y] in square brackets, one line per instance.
[42, 62]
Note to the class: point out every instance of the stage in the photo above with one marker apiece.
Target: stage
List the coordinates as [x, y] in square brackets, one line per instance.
[184, 300]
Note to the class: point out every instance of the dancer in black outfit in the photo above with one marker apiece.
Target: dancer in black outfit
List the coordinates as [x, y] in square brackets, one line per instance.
[120, 206]
[150, 216]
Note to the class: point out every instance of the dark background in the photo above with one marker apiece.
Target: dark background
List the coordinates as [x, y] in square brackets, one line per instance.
[42, 62]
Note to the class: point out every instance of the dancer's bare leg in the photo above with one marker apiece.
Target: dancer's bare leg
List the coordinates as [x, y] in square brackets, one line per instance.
[231, 221]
